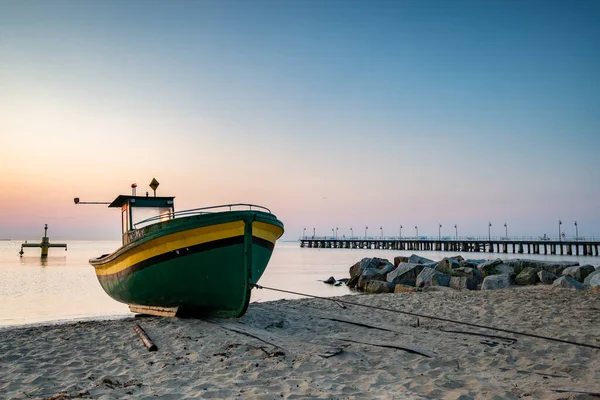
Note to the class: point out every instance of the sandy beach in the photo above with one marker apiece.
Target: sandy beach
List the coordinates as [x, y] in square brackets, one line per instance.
[314, 348]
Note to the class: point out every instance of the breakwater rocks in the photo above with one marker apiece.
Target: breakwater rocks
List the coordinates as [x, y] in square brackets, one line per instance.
[415, 273]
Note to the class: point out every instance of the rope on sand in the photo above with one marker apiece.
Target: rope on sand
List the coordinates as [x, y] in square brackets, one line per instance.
[533, 335]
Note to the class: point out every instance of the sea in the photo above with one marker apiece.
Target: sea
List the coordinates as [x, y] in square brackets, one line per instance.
[64, 288]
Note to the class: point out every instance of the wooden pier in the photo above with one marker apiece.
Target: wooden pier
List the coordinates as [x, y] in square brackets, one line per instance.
[476, 245]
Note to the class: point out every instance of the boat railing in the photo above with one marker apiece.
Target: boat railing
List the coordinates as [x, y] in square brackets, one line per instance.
[203, 210]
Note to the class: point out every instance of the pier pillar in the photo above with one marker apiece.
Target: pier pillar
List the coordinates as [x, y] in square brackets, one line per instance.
[520, 248]
[569, 250]
[44, 246]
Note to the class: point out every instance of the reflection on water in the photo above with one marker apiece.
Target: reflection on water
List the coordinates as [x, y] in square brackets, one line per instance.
[43, 261]
[64, 286]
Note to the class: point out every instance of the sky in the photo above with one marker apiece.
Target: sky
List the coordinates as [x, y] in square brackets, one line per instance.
[333, 114]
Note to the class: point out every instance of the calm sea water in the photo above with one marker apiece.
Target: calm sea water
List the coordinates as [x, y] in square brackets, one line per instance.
[64, 287]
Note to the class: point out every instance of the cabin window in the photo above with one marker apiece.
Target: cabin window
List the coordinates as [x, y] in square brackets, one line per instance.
[143, 213]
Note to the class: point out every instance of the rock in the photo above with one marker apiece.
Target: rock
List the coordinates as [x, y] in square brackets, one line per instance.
[472, 273]
[415, 259]
[462, 282]
[579, 273]
[528, 276]
[447, 265]
[554, 267]
[374, 273]
[546, 277]
[374, 266]
[432, 277]
[494, 282]
[488, 268]
[495, 268]
[405, 274]
[354, 275]
[364, 279]
[472, 263]
[458, 258]
[331, 280]
[405, 289]
[378, 287]
[399, 259]
[590, 276]
[568, 283]
[587, 271]
[506, 269]
[594, 281]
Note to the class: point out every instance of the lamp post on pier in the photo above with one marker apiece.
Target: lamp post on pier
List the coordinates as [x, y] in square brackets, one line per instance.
[400, 232]
[304, 233]
[366, 227]
[490, 231]
[559, 224]
[351, 232]
[440, 232]
[313, 233]
[336, 229]
[506, 230]
[332, 234]
[576, 231]
[417, 230]
[456, 229]
[381, 228]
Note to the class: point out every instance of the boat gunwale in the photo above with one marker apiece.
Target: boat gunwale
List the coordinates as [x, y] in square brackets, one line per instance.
[232, 216]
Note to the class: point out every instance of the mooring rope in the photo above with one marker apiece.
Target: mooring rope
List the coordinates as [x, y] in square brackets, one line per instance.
[533, 335]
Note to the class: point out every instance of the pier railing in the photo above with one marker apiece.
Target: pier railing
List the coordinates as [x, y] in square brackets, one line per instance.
[541, 239]
[492, 244]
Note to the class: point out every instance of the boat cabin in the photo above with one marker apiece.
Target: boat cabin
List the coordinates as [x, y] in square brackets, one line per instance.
[140, 211]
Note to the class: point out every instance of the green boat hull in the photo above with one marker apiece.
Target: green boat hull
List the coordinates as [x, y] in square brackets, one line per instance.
[201, 265]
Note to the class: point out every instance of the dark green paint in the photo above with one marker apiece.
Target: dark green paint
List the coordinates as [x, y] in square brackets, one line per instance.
[210, 282]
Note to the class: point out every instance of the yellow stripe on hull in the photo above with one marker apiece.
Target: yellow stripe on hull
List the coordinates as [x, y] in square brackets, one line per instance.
[187, 238]
[267, 232]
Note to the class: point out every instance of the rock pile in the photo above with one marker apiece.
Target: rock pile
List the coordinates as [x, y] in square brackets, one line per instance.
[414, 273]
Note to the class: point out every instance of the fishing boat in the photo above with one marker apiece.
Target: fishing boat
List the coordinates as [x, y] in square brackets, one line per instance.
[198, 262]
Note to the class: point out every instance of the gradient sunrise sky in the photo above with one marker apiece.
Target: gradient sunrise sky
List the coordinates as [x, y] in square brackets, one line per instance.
[333, 114]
